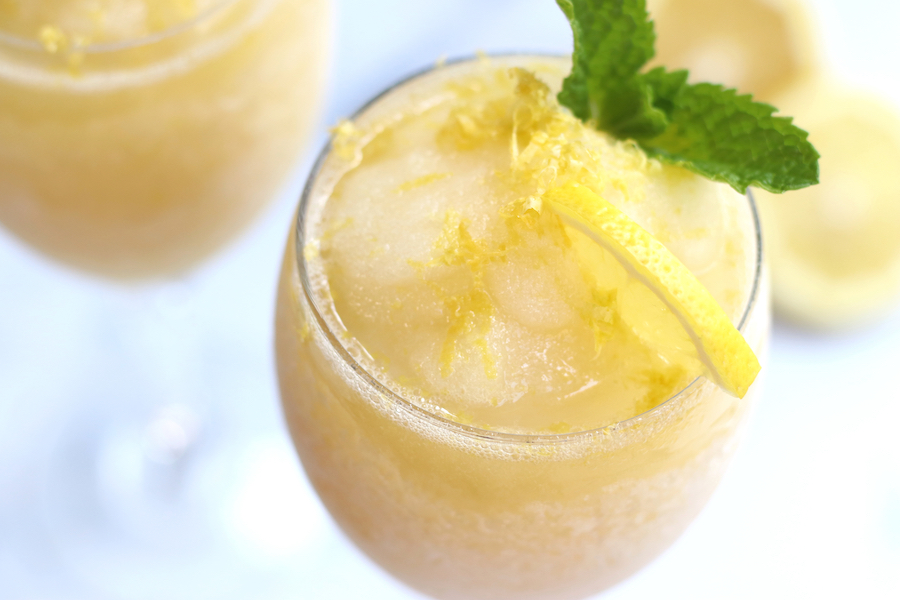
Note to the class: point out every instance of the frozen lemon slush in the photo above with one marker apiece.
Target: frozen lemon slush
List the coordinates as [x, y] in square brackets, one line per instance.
[138, 136]
[479, 391]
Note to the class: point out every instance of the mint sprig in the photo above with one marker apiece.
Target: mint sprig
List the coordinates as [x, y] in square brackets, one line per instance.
[703, 127]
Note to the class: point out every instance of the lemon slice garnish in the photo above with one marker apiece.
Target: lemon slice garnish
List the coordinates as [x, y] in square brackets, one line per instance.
[834, 247]
[721, 349]
[757, 46]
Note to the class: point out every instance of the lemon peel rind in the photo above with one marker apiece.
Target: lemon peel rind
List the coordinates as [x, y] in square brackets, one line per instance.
[802, 293]
[730, 362]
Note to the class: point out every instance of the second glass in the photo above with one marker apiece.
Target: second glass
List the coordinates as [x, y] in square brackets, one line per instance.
[138, 137]
[137, 157]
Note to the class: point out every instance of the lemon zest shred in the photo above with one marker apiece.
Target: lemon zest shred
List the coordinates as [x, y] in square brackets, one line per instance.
[346, 138]
[421, 182]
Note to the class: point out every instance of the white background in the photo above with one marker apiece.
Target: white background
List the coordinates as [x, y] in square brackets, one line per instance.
[810, 507]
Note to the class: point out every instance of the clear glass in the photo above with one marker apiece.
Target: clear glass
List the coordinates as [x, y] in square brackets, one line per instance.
[461, 513]
[138, 158]
[135, 159]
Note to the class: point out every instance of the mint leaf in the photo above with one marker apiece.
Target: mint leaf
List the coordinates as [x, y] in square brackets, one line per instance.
[703, 127]
[665, 86]
[730, 138]
[613, 40]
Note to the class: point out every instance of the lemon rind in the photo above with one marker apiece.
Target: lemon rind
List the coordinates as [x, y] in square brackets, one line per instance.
[730, 362]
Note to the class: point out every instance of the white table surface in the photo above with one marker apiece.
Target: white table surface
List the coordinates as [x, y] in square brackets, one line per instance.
[810, 507]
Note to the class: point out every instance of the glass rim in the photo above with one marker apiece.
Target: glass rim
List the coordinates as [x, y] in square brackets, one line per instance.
[420, 412]
[23, 43]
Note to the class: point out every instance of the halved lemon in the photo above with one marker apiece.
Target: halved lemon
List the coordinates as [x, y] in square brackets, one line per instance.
[759, 47]
[693, 315]
[835, 247]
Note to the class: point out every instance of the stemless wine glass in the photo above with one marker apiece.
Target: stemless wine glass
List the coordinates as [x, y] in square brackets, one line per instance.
[137, 137]
[460, 512]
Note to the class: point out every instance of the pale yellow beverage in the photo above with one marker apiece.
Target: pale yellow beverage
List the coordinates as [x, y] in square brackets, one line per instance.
[475, 388]
[138, 136]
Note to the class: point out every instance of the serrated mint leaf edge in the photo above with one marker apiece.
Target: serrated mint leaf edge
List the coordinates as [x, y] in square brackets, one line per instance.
[654, 107]
[793, 161]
